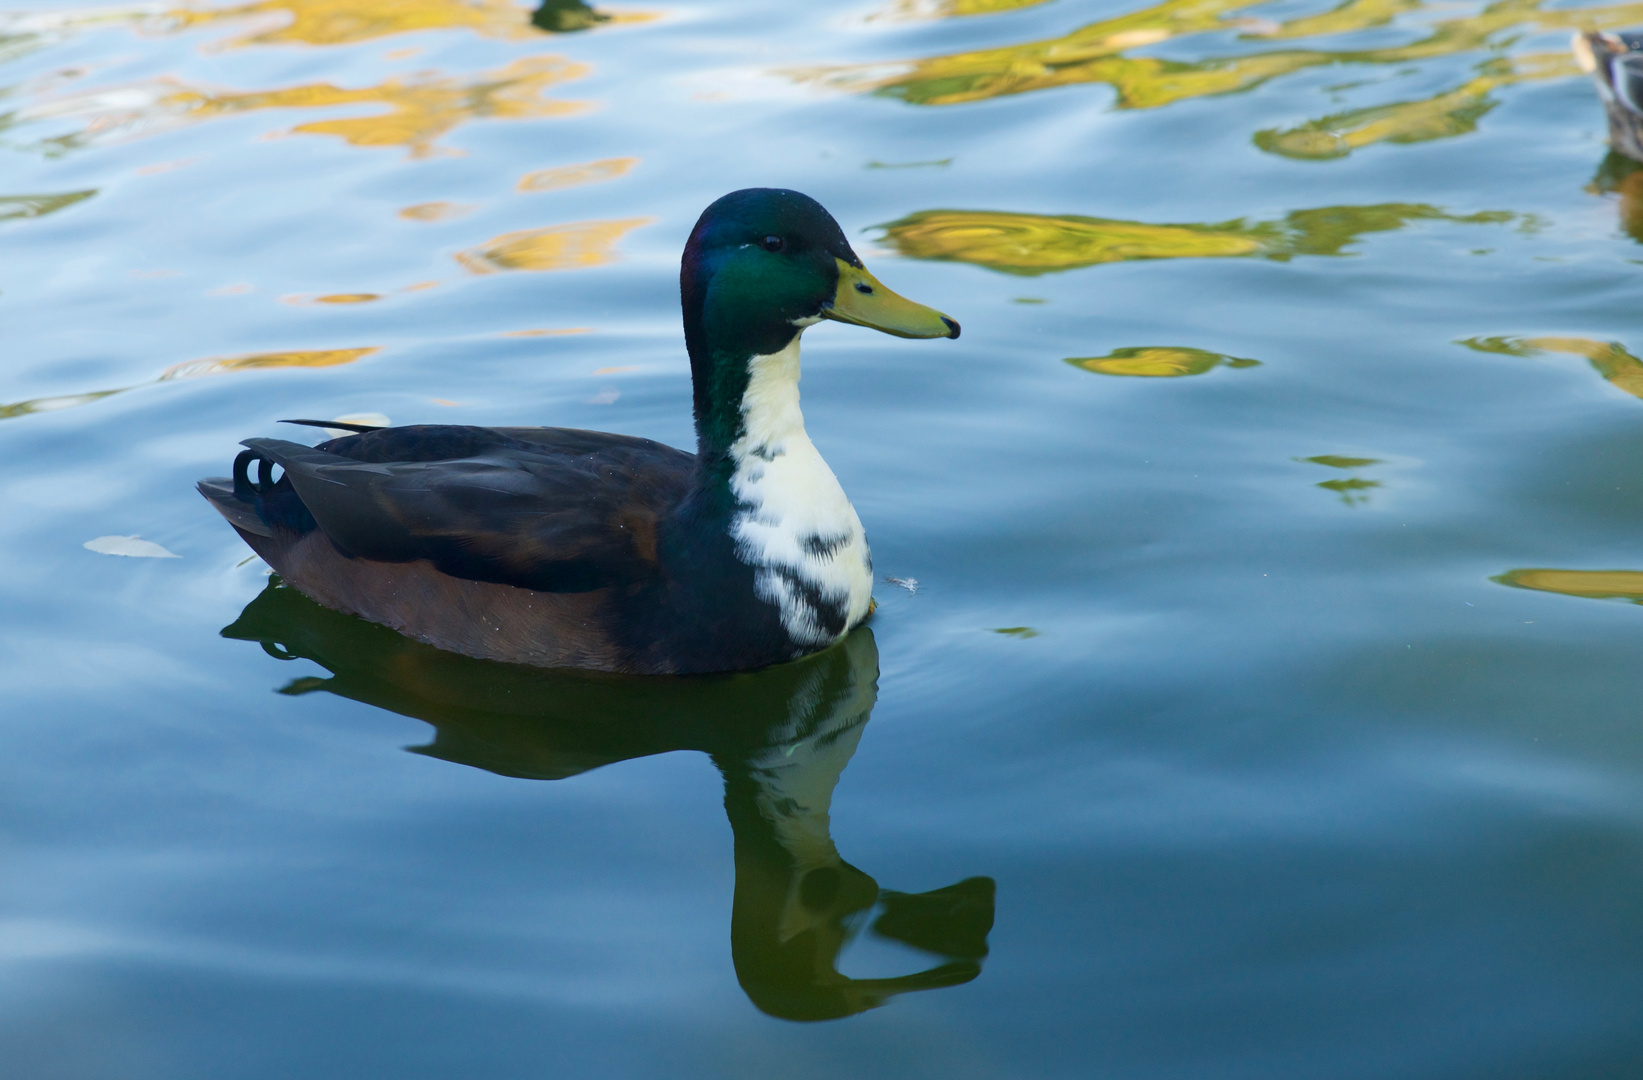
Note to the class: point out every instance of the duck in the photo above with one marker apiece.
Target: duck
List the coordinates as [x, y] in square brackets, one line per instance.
[780, 739]
[564, 548]
[1615, 63]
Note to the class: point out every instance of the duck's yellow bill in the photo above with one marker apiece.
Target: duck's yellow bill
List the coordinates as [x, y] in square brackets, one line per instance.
[864, 301]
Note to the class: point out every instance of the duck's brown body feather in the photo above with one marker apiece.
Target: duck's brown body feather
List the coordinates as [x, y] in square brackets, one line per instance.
[475, 618]
[526, 545]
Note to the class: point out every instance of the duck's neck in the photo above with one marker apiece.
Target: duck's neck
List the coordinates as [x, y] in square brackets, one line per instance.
[787, 515]
[769, 416]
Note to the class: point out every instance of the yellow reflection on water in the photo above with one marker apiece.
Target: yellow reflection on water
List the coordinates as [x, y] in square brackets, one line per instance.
[1453, 112]
[418, 110]
[328, 22]
[190, 369]
[52, 404]
[905, 10]
[575, 246]
[344, 22]
[297, 358]
[591, 172]
[435, 211]
[31, 206]
[1158, 361]
[1609, 359]
[1036, 243]
[314, 22]
[1593, 584]
[1031, 244]
[1338, 461]
[1353, 490]
[1096, 54]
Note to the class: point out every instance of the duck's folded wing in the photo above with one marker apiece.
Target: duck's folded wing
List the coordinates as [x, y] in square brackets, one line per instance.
[548, 521]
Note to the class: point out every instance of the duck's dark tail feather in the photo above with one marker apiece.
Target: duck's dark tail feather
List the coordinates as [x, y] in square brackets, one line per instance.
[258, 505]
[241, 514]
[338, 425]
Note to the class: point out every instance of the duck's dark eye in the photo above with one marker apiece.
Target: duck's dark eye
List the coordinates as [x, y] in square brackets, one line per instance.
[774, 243]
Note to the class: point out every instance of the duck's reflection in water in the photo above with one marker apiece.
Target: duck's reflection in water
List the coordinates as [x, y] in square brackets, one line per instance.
[1619, 175]
[781, 737]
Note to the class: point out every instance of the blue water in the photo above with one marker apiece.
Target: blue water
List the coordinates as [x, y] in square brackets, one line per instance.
[1273, 716]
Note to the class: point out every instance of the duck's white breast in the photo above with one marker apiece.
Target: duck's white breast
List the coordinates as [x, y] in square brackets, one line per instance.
[795, 526]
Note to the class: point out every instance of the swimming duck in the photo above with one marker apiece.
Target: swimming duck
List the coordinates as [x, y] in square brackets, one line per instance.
[564, 548]
[1615, 63]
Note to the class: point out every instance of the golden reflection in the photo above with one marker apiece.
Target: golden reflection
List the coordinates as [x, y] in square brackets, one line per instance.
[435, 211]
[32, 206]
[557, 247]
[909, 10]
[1095, 54]
[316, 22]
[301, 358]
[190, 369]
[418, 111]
[1453, 112]
[1157, 361]
[1031, 244]
[564, 176]
[328, 22]
[1593, 584]
[1609, 359]
[1351, 16]
[780, 737]
[344, 22]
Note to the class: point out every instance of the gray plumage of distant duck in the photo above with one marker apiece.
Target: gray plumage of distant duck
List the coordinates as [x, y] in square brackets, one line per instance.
[1615, 63]
[564, 548]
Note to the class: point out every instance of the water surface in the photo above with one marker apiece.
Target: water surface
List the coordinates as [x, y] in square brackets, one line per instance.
[1258, 693]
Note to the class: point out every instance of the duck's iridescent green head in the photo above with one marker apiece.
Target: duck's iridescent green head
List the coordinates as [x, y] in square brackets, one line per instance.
[760, 266]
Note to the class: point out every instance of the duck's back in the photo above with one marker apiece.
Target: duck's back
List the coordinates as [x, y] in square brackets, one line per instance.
[527, 545]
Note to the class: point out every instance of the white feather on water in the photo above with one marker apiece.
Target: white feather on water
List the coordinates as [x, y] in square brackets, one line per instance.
[133, 546]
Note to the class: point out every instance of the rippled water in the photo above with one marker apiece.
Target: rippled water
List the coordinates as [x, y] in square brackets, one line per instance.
[1258, 693]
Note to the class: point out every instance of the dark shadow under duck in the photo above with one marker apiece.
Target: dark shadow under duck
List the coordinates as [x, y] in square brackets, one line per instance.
[780, 738]
[564, 548]
[1615, 63]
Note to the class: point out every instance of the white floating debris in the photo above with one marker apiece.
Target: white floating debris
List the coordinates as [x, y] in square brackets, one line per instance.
[129, 545]
[908, 583]
[373, 419]
[607, 396]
